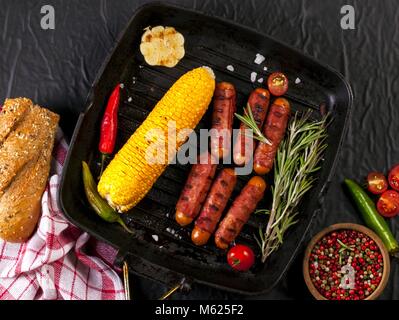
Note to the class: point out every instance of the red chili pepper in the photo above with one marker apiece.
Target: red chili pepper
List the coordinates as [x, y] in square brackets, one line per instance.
[109, 126]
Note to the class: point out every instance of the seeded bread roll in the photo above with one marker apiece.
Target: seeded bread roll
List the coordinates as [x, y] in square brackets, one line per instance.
[27, 135]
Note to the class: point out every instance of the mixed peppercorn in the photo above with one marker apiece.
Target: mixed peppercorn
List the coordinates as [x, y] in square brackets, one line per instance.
[346, 265]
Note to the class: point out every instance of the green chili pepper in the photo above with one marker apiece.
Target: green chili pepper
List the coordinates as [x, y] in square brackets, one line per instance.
[100, 206]
[371, 217]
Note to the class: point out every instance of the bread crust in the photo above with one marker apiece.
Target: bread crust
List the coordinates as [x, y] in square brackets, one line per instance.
[25, 158]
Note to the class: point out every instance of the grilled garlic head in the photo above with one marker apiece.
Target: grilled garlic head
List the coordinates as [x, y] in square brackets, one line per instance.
[162, 46]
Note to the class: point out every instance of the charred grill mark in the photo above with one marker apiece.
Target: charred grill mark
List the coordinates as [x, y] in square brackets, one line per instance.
[224, 241]
[204, 219]
[219, 195]
[216, 121]
[258, 108]
[213, 207]
[261, 96]
[194, 174]
[223, 183]
[278, 111]
[273, 127]
[240, 221]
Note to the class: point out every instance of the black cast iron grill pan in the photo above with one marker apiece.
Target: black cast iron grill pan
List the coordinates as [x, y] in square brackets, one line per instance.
[160, 249]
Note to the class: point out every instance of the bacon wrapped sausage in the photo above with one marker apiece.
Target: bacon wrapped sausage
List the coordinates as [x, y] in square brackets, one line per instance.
[224, 107]
[194, 192]
[274, 130]
[240, 212]
[214, 206]
[258, 101]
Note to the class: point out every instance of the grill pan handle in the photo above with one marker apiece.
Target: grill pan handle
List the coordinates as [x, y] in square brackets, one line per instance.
[146, 269]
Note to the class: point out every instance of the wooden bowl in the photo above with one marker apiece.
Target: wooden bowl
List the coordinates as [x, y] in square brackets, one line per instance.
[347, 226]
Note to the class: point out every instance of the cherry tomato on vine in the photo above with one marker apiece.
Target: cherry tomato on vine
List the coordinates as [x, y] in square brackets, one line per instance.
[241, 257]
[376, 183]
[388, 204]
[393, 177]
[277, 83]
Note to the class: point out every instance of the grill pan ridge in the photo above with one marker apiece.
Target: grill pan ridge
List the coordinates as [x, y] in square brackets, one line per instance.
[216, 43]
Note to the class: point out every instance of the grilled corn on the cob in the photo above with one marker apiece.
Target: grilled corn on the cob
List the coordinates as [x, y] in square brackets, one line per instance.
[130, 175]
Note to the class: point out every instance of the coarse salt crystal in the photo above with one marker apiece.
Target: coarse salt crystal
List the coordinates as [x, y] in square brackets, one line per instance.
[230, 68]
[297, 80]
[265, 68]
[155, 237]
[260, 80]
[259, 58]
[253, 76]
[122, 85]
[130, 99]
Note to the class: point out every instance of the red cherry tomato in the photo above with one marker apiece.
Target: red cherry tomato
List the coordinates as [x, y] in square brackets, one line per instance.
[240, 257]
[376, 183]
[388, 204]
[277, 83]
[393, 177]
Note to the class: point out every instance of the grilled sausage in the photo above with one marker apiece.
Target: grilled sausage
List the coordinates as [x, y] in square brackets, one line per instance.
[224, 107]
[214, 205]
[240, 212]
[194, 192]
[258, 101]
[274, 130]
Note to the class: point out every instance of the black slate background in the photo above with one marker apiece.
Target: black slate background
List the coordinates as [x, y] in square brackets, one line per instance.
[56, 68]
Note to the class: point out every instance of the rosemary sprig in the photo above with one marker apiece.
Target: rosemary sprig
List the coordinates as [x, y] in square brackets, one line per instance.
[344, 247]
[297, 159]
[249, 120]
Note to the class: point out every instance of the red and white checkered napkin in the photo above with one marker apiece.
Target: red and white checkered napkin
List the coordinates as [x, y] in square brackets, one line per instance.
[54, 263]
